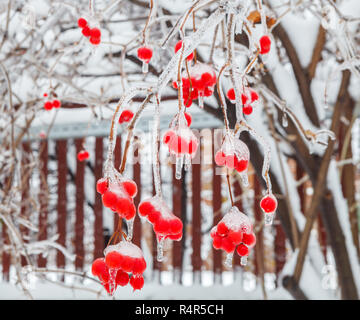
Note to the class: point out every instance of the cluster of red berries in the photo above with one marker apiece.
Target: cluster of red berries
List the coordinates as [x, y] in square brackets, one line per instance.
[94, 34]
[202, 81]
[165, 223]
[234, 231]
[268, 205]
[118, 196]
[120, 261]
[145, 54]
[234, 154]
[83, 155]
[247, 98]
[265, 44]
[181, 141]
[55, 103]
[126, 116]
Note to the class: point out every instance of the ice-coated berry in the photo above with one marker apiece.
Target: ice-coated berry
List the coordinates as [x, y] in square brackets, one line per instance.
[82, 23]
[265, 44]
[137, 282]
[101, 185]
[48, 105]
[249, 239]
[100, 269]
[122, 278]
[94, 40]
[247, 109]
[86, 31]
[114, 260]
[268, 204]
[126, 116]
[145, 54]
[83, 155]
[242, 250]
[56, 103]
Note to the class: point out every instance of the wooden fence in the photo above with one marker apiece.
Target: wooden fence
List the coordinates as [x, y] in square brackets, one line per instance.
[186, 193]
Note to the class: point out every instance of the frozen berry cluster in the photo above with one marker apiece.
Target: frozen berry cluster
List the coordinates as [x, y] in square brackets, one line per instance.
[234, 231]
[165, 223]
[94, 34]
[200, 83]
[51, 103]
[118, 196]
[233, 154]
[123, 263]
[248, 98]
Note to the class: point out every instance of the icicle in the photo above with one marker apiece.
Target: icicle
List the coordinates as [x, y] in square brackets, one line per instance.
[269, 218]
[201, 102]
[179, 165]
[145, 67]
[187, 161]
[284, 120]
[243, 260]
[244, 179]
[229, 260]
[130, 229]
[112, 280]
[160, 248]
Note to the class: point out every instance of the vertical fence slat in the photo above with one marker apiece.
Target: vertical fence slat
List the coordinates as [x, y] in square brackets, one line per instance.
[217, 254]
[79, 208]
[137, 199]
[99, 244]
[196, 221]
[43, 197]
[6, 257]
[61, 150]
[25, 184]
[177, 251]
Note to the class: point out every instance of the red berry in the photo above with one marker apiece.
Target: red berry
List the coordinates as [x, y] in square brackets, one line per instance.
[145, 208]
[241, 165]
[162, 226]
[222, 229]
[235, 236]
[154, 216]
[208, 92]
[95, 41]
[137, 282]
[176, 226]
[220, 158]
[56, 103]
[268, 204]
[265, 44]
[101, 185]
[139, 266]
[122, 278]
[130, 187]
[95, 33]
[109, 199]
[86, 31]
[177, 48]
[45, 94]
[254, 96]
[82, 23]
[242, 250]
[168, 135]
[145, 54]
[188, 118]
[227, 245]
[114, 260]
[48, 105]
[247, 109]
[249, 239]
[217, 243]
[231, 94]
[100, 269]
[127, 264]
[126, 116]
